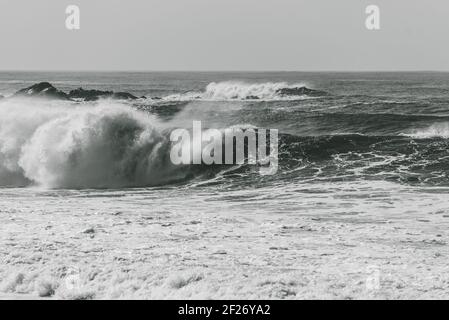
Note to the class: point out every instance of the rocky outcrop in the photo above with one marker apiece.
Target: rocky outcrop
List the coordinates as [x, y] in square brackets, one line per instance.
[300, 91]
[42, 89]
[252, 98]
[46, 90]
[123, 96]
[92, 95]
[88, 95]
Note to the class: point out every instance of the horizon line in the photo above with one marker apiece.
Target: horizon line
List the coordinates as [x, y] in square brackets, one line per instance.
[234, 71]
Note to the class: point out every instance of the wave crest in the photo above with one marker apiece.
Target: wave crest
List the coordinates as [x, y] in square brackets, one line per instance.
[237, 90]
[439, 130]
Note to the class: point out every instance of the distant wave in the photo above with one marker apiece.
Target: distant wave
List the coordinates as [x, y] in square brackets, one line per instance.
[439, 130]
[215, 91]
[236, 90]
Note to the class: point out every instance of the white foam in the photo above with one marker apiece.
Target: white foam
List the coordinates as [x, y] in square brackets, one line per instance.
[440, 130]
[61, 144]
[238, 90]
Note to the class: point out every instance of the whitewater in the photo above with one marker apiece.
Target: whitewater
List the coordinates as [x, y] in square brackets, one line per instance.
[91, 206]
[106, 145]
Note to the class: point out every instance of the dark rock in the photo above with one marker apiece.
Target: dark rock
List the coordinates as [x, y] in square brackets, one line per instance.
[88, 95]
[220, 252]
[300, 91]
[46, 90]
[93, 95]
[123, 96]
[89, 230]
[42, 89]
[1, 97]
[252, 98]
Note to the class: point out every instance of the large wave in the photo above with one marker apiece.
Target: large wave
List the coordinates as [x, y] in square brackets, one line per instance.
[60, 144]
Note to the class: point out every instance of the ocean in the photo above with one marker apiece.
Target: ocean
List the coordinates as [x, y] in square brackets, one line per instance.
[358, 206]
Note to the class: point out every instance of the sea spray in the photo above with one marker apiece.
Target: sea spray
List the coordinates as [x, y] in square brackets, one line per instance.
[437, 130]
[238, 90]
[58, 144]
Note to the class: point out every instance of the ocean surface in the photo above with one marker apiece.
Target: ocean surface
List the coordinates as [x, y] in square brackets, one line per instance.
[384, 127]
[369, 152]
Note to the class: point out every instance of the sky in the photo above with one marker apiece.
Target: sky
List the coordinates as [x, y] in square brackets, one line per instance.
[224, 35]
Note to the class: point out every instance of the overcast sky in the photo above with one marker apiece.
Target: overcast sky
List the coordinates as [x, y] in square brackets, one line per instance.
[224, 35]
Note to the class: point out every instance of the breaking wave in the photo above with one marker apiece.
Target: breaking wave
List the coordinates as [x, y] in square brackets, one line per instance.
[110, 144]
[97, 146]
[62, 144]
[236, 90]
[439, 130]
